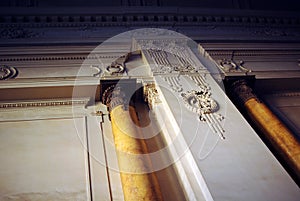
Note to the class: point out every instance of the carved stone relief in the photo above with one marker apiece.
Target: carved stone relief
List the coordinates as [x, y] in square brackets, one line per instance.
[151, 95]
[160, 57]
[200, 102]
[118, 66]
[7, 72]
[170, 54]
[200, 81]
[98, 67]
[231, 66]
[171, 61]
[115, 69]
[174, 83]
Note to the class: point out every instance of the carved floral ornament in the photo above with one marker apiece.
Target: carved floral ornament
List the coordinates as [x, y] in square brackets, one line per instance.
[7, 72]
[200, 102]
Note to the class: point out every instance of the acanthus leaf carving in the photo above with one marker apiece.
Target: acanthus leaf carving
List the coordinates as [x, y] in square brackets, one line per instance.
[151, 95]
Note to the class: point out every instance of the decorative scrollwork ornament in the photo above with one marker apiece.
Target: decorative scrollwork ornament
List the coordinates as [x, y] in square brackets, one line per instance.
[7, 72]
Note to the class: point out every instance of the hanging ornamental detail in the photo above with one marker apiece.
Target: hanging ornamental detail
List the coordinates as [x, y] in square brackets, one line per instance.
[174, 83]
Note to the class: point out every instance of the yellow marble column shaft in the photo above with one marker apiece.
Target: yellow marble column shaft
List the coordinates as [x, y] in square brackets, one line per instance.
[139, 183]
[274, 131]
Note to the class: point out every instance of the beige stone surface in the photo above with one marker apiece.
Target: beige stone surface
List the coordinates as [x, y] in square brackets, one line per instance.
[43, 160]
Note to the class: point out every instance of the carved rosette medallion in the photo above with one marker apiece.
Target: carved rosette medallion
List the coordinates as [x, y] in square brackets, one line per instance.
[7, 72]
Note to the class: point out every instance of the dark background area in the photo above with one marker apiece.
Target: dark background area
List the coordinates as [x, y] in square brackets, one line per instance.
[270, 5]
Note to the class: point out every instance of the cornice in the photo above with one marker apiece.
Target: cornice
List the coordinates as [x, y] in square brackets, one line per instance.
[141, 17]
[257, 55]
[284, 52]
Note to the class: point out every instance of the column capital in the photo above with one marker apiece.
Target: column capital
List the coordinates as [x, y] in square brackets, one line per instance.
[242, 90]
[114, 96]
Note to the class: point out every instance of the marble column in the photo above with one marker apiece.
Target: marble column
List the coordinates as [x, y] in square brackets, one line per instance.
[139, 182]
[275, 132]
